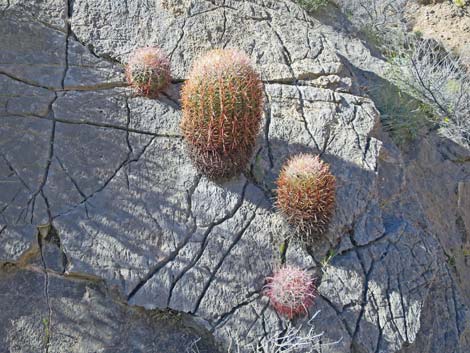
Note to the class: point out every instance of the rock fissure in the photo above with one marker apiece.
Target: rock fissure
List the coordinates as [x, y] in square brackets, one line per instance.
[179, 39]
[219, 264]
[122, 165]
[365, 293]
[160, 265]
[302, 113]
[268, 118]
[26, 82]
[110, 126]
[205, 239]
[40, 190]
[226, 316]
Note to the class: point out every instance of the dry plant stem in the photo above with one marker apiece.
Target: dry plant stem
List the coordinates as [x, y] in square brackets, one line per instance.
[292, 339]
[440, 80]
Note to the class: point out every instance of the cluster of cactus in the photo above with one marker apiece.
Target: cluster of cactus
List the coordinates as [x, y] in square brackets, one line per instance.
[148, 71]
[306, 195]
[291, 291]
[222, 103]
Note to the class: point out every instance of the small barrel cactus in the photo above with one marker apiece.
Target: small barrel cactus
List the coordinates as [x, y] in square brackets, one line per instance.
[306, 194]
[148, 71]
[222, 102]
[291, 291]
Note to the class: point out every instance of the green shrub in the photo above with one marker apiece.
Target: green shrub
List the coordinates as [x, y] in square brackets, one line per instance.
[438, 79]
[402, 116]
[380, 22]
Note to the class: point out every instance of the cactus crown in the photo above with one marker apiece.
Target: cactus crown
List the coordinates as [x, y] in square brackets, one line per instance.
[306, 194]
[291, 291]
[148, 71]
[222, 63]
[304, 166]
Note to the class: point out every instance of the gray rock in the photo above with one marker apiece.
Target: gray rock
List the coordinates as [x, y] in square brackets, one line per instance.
[45, 311]
[110, 173]
[50, 13]
[32, 52]
[438, 170]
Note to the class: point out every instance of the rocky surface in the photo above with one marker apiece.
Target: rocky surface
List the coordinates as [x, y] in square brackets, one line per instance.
[445, 22]
[109, 172]
[81, 315]
[439, 171]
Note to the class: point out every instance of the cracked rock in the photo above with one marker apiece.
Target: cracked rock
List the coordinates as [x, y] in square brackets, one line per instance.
[127, 223]
[82, 315]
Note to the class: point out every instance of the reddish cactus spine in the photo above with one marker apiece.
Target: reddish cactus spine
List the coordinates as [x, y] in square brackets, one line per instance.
[148, 71]
[306, 194]
[222, 103]
[291, 291]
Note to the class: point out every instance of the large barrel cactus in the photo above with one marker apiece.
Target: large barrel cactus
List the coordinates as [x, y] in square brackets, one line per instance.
[222, 105]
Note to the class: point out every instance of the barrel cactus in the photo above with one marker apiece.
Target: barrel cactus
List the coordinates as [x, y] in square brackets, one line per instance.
[148, 71]
[222, 102]
[291, 291]
[306, 195]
